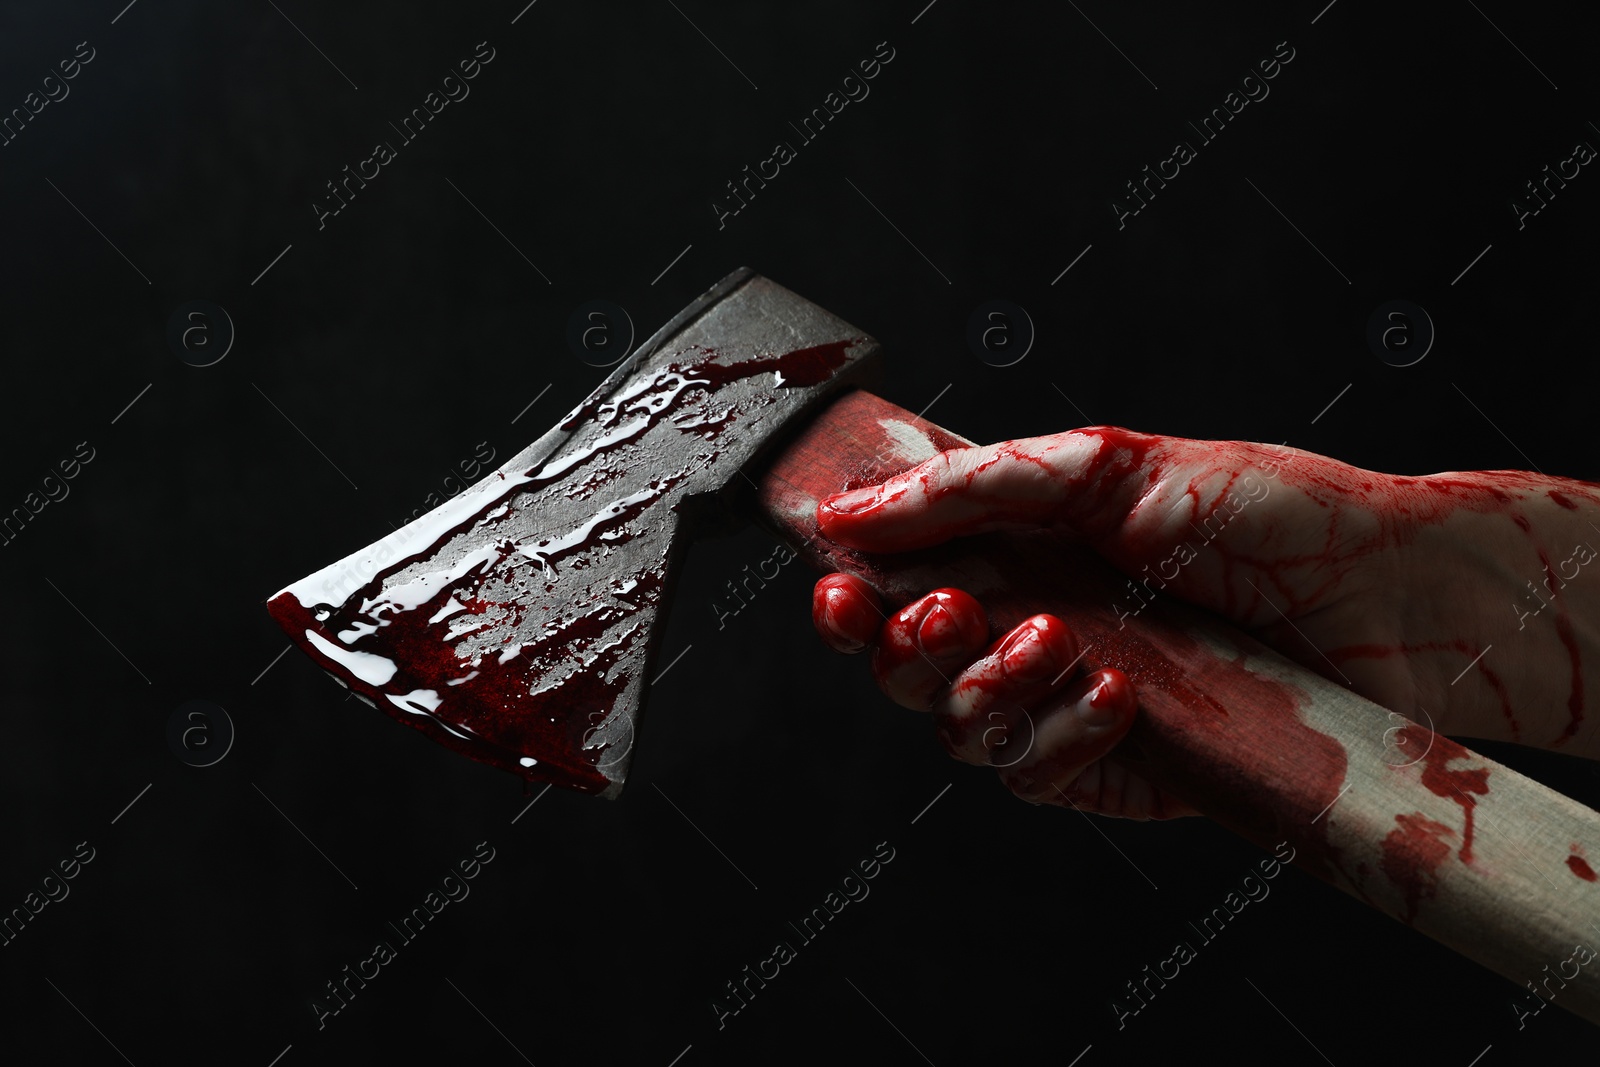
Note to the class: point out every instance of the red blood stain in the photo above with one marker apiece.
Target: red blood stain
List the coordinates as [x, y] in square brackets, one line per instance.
[1282, 771]
[1099, 496]
[846, 610]
[544, 703]
[1129, 652]
[1562, 499]
[1580, 867]
[1100, 491]
[1111, 689]
[494, 705]
[1472, 655]
[1412, 853]
[867, 470]
[1462, 786]
[917, 643]
[1118, 454]
[803, 366]
[1106, 689]
[1569, 641]
[1266, 774]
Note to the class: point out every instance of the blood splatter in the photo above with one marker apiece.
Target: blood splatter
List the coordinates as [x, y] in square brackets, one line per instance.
[518, 648]
[1578, 863]
[1412, 853]
[1462, 786]
[801, 367]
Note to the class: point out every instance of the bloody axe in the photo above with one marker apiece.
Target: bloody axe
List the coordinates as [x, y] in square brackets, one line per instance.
[518, 623]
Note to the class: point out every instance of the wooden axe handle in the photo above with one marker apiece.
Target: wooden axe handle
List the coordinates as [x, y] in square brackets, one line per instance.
[1467, 851]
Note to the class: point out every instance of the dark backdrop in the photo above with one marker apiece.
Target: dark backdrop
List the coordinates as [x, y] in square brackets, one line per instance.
[376, 352]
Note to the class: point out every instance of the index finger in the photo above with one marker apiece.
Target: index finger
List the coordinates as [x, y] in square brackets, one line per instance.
[1080, 477]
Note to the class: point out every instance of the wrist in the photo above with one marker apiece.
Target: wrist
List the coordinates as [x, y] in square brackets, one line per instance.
[1531, 565]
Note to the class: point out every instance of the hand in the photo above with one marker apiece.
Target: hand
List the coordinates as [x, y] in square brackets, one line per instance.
[1013, 704]
[1458, 600]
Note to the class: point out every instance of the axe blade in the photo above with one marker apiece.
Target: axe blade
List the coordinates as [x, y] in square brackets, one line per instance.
[517, 623]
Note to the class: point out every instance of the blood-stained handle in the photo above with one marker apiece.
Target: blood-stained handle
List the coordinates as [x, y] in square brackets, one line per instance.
[1467, 851]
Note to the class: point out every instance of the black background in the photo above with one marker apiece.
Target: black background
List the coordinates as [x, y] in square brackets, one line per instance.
[408, 330]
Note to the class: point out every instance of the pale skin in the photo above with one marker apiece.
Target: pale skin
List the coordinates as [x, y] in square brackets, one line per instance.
[1465, 601]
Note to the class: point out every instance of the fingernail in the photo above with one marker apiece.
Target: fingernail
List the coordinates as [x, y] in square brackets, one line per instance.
[853, 501]
[939, 635]
[1028, 658]
[833, 601]
[1098, 707]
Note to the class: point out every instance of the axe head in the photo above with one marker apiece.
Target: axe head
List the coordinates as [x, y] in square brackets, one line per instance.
[518, 622]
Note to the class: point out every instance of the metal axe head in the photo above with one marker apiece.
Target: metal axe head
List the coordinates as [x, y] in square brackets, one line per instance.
[517, 623]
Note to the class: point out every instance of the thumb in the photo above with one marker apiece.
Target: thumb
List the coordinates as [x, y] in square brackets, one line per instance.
[1082, 478]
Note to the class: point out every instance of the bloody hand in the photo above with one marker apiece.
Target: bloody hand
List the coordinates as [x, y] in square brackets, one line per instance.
[1458, 600]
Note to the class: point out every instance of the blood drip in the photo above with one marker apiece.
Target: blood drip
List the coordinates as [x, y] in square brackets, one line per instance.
[1461, 786]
